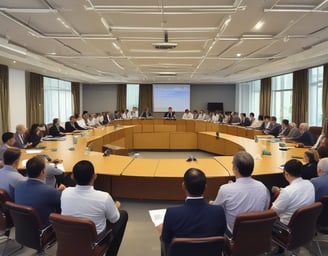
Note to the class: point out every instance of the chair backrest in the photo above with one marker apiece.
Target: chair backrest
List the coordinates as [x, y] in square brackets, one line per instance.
[6, 220]
[75, 236]
[27, 224]
[323, 217]
[252, 232]
[303, 224]
[209, 246]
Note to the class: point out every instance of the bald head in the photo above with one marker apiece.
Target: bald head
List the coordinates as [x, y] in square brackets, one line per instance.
[322, 166]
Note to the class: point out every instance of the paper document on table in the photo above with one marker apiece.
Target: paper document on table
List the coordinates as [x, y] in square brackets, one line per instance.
[157, 216]
[33, 151]
[58, 166]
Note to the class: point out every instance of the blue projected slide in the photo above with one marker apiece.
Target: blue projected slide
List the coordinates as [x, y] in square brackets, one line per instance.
[176, 96]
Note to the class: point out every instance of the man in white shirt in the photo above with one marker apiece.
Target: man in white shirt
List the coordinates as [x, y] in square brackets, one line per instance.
[85, 202]
[297, 194]
[187, 115]
[244, 195]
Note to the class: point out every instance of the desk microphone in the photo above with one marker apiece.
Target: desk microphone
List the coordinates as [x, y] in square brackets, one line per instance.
[107, 152]
[217, 135]
[191, 158]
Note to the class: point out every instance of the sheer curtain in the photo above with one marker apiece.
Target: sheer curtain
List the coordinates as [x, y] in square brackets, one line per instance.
[35, 100]
[265, 96]
[300, 96]
[4, 99]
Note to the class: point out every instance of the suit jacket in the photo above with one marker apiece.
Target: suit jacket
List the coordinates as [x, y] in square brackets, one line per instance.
[305, 138]
[70, 128]
[169, 114]
[33, 138]
[55, 131]
[43, 198]
[19, 142]
[245, 122]
[196, 218]
[275, 129]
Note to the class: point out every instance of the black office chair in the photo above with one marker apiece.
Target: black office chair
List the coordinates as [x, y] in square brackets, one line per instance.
[205, 246]
[29, 230]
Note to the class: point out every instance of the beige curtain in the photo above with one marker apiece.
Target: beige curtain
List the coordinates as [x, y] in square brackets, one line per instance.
[325, 98]
[145, 97]
[35, 100]
[76, 97]
[4, 99]
[300, 96]
[265, 96]
[121, 97]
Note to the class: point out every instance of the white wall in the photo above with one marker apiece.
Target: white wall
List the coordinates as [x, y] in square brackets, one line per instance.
[17, 98]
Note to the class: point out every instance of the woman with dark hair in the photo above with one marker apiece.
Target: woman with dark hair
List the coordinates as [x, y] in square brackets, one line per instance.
[34, 135]
[309, 169]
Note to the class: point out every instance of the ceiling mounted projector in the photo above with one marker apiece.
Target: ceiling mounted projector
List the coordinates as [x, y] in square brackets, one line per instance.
[165, 45]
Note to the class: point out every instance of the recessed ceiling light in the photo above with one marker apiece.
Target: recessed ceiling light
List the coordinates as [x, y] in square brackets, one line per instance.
[14, 61]
[259, 25]
[238, 54]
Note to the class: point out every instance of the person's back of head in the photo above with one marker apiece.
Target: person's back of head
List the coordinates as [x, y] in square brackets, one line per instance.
[7, 136]
[323, 152]
[251, 114]
[312, 155]
[83, 172]
[244, 162]
[285, 122]
[260, 118]
[323, 166]
[11, 155]
[55, 121]
[294, 168]
[34, 166]
[195, 182]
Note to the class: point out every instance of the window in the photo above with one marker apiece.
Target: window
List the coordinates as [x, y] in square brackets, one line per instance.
[281, 96]
[315, 96]
[132, 96]
[57, 99]
[250, 97]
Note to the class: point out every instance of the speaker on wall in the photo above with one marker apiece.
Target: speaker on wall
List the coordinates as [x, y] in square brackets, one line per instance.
[215, 106]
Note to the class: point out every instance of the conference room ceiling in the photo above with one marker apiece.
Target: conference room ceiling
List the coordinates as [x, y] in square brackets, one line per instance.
[111, 41]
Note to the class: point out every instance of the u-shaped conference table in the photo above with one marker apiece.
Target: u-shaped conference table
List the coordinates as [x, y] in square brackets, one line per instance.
[130, 177]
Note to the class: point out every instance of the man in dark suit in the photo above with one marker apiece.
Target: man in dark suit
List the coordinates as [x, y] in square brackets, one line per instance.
[35, 193]
[274, 127]
[170, 114]
[56, 130]
[196, 218]
[20, 135]
[72, 125]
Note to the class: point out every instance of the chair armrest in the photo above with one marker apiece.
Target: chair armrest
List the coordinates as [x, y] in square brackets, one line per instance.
[47, 229]
[103, 237]
[279, 227]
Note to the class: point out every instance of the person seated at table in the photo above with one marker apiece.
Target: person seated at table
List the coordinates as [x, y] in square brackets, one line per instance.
[170, 114]
[187, 115]
[234, 118]
[274, 127]
[305, 135]
[310, 159]
[201, 115]
[323, 152]
[35, 193]
[20, 137]
[80, 121]
[297, 194]
[322, 141]
[9, 175]
[244, 120]
[195, 218]
[72, 125]
[257, 123]
[285, 128]
[320, 183]
[293, 132]
[244, 195]
[134, 113]
[146, 113]
[34, 135]
[56, 130]
[8, 141]
[85, 202]
[266, 123]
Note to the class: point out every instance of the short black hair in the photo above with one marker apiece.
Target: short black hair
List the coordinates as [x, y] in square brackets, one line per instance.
[7, 136]
[285, 122]
[195, 181]
[251, 114]
[35, 165]
[244, 162]
[293, 167]
[11, 155]
[323, 151]
[55, 120]
[83, 172]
